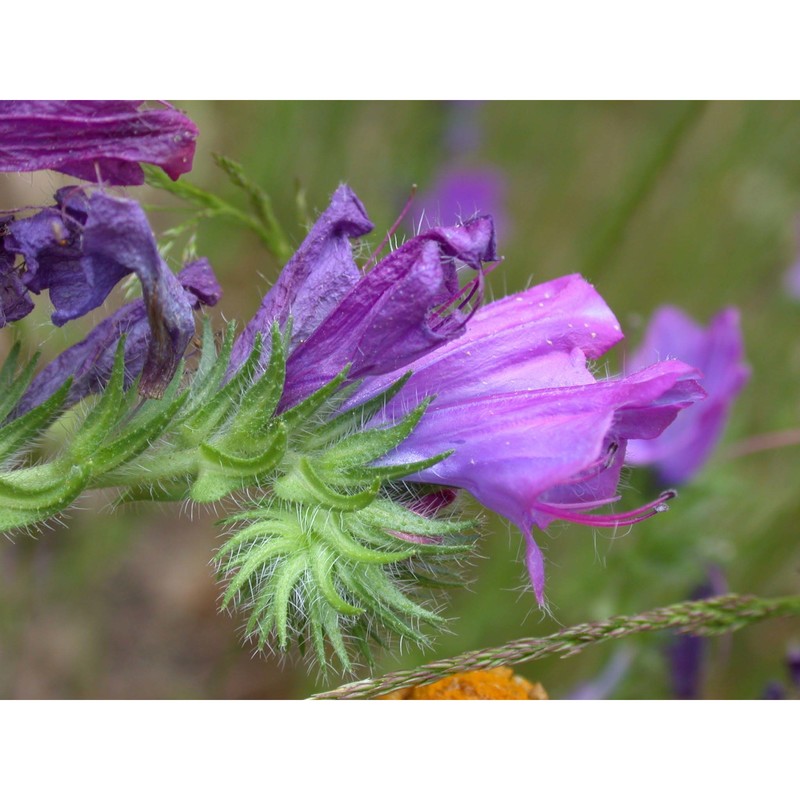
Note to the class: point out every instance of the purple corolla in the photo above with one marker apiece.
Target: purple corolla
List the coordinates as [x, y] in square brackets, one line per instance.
[408, 305]
[89, 362]
[93, 140]
[718, 352]
[80, 249]
[535, 437]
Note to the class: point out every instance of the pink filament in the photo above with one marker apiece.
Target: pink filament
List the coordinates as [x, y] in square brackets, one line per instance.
[562, 511]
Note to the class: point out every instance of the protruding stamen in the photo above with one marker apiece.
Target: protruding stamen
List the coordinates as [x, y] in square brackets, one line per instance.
[563, 511]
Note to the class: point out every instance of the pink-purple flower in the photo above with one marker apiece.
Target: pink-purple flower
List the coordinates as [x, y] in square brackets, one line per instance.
[93, 140]
[535, 436]
[718, 352]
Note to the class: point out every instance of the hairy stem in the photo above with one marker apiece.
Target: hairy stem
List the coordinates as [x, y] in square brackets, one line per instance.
[704, 618]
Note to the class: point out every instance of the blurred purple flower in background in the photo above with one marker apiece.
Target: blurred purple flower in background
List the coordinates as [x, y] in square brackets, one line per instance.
[466, 185]
[95, 139]
[687, 653]
[718, 352]
[460, 193]
[536, 436]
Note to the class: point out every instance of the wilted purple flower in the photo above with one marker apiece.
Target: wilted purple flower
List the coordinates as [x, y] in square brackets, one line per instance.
[718, 352]
[89, 362]
[461, 192]
[95, 139]
[81, 248]
[408, 305]
[535, 436]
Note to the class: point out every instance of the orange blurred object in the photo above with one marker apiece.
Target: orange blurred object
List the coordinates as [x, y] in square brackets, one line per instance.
[499, 683]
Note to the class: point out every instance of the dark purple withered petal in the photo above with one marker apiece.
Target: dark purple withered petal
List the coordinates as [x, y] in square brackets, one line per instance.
[315, 279]
[82, 248]
[400, 311]
[15, 302]
[89, 362]
[718, 352]
[91, 140]
[198, 278]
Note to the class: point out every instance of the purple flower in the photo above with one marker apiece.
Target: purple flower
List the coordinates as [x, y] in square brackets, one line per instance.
[94, 140]
[90, 361]
[718, 352]
[536, 436]
[408, 305]
[81, 248]
[461, 192]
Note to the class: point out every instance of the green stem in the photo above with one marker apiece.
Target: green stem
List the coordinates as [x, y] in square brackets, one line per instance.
[704, 618]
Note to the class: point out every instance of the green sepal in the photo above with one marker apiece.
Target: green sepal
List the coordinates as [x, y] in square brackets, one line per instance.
[211, 369]
[394, 516]
[222, 472]
[355, 418]
[270, 450]
[107, 411]
[390, 472]
[12, 388]
[323, 561]
[219, 405]
[133, 442]
[31, 506]
[304, 485]
[305, 409]
[366, 446]
[19, 433]
[257, 405]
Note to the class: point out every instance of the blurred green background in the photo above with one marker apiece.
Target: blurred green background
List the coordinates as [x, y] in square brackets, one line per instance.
[693, 204]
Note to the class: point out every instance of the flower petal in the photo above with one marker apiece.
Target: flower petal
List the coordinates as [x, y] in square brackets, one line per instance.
[93, 140]
[718, 353]
[315, 279]
[83, 247]
[90, 361]
[536, 339]
[394, 314]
